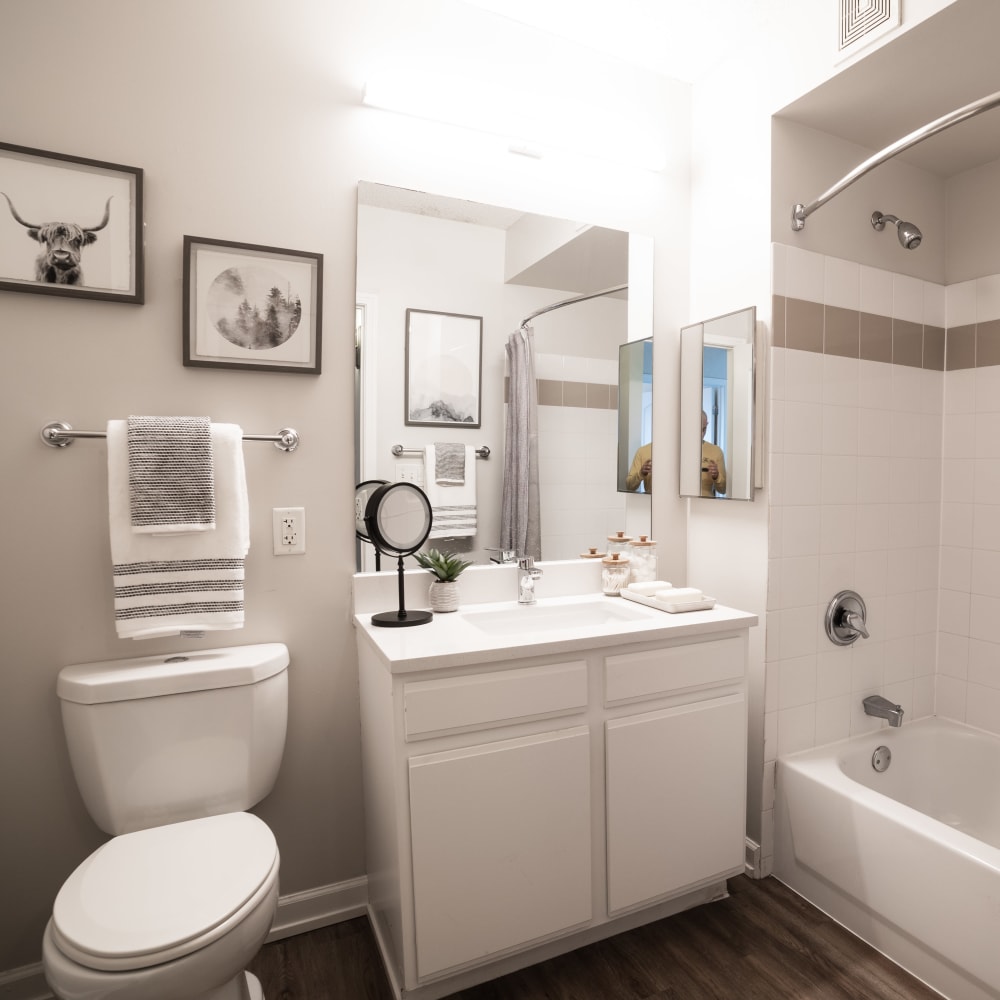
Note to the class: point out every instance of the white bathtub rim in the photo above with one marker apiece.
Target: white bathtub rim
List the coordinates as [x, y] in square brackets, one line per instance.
[823, 764]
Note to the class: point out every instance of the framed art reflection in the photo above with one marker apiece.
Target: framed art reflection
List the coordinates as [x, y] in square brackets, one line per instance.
[443, 369]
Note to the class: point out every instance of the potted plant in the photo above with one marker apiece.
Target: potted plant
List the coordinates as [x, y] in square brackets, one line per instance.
[446, 568]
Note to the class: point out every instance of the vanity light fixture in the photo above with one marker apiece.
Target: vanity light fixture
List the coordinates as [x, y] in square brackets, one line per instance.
[530, 122]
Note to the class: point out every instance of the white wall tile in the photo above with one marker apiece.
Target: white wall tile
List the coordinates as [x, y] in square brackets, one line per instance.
[875, 385]
[803, 376]
[876, 291]
[949, 697]
[960, 390]
[983, 708]
[986, 387]
[842, 283]
[935, 305]
[779, 274]
[804, 274]
[840, 380]
[907, 298]
[984, 663]
[987, 298]
[960, 303]
[802, 428]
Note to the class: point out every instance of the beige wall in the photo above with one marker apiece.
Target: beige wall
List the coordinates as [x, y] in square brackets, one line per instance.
[244, 116]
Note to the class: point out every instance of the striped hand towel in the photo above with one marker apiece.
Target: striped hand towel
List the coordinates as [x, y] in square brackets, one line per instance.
[453, 505]
[170, 479]
[178, 584]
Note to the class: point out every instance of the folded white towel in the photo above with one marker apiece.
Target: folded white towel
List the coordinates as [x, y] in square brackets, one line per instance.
[180, 583]
[680, 595]
[170, 479]
[649, 588]
[453, 505]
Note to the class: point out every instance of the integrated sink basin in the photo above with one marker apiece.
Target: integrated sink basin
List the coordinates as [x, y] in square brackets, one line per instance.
[534, 618]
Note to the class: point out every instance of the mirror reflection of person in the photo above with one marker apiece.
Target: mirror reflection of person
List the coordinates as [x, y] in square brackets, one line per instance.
[713, 464]
[641, 471]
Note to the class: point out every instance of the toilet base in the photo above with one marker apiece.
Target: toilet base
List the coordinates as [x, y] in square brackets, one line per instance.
[245, 986]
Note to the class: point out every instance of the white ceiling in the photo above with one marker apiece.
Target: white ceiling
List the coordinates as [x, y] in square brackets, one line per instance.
[940, 65]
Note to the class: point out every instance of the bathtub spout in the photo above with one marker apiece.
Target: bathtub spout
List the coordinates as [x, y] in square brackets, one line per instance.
[882, 708]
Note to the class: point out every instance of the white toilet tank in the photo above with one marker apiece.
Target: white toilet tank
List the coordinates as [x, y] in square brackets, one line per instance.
[160, 739]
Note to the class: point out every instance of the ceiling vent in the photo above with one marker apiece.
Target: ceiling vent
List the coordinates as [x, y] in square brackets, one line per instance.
[860, 22]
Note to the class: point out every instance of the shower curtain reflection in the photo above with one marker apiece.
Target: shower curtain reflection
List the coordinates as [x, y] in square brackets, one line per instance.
[520, 527]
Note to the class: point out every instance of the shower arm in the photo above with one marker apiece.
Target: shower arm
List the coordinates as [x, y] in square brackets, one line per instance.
[801, 212]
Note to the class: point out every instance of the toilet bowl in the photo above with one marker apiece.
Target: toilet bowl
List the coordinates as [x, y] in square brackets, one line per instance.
[168, 753]
[166, 913]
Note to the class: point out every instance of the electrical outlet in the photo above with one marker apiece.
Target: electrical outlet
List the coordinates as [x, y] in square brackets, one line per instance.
[289, 526]
[410, 472]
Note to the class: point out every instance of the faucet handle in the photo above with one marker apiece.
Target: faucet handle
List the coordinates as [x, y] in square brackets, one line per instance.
[525, 562]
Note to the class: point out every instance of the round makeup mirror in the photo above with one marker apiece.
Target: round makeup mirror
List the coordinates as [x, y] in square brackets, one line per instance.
[398, 520]
[362, 494]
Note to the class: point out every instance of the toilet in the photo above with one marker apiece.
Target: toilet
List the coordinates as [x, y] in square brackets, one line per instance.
[168, 752]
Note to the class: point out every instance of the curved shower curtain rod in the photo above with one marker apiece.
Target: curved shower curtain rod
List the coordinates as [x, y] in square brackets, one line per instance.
[801, 212]
[569, 302]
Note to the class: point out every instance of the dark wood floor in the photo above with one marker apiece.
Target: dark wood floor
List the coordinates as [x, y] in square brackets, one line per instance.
[762, 943]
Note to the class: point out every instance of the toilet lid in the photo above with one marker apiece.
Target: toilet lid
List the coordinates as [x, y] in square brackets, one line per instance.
[157, 894]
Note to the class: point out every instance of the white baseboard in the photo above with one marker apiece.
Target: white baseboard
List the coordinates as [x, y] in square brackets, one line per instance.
[25, 983]
[319, 907]
[297, 913]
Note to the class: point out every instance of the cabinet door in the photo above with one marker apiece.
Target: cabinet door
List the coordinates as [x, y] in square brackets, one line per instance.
[501, 846]
[676, 790]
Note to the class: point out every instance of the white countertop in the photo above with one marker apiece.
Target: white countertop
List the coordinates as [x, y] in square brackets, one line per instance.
[453, 640]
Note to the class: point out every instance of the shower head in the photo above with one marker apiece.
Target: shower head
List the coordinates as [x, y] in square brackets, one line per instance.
[909, 236]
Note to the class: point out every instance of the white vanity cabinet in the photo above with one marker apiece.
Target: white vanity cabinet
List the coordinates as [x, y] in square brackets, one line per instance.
[526, 800]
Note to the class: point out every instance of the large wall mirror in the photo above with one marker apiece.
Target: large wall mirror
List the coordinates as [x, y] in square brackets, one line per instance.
[717, 407]
[448, 256]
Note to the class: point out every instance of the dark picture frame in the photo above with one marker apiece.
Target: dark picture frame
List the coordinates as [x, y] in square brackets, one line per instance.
[70, 226]
[252, 307]
[444, 369]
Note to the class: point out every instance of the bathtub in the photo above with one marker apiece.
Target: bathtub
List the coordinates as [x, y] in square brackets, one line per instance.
[907, 859]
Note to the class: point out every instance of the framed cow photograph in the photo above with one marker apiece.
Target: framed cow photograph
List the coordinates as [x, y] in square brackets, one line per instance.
[70, 226]
[252, 307]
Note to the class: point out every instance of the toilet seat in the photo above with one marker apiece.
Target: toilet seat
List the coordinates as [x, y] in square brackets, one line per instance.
[156, 895]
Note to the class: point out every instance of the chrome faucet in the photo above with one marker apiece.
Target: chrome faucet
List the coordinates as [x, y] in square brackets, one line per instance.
[882, 708]
[502, 556]
[527, 574]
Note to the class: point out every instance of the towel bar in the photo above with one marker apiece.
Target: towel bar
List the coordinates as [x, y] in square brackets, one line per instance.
[398, 449]
[59, 434]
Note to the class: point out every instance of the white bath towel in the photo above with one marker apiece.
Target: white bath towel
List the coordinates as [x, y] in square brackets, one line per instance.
[170, 479]
[180, 583]
[453, 505]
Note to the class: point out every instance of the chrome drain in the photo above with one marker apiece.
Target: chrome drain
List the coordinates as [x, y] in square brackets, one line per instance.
[882, 758]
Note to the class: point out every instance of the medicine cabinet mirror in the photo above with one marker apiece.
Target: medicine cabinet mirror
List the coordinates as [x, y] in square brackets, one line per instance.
[635, 416]
[717, 407]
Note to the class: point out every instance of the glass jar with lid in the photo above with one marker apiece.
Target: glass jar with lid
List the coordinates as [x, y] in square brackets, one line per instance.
[614, 573]
[642, 559]
[618, 542]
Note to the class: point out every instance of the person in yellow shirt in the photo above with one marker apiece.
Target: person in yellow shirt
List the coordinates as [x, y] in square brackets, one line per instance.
[641, 471]
[713, 465]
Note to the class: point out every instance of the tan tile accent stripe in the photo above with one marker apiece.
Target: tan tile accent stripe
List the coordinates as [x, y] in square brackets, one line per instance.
[552, 392]
[849, 333]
